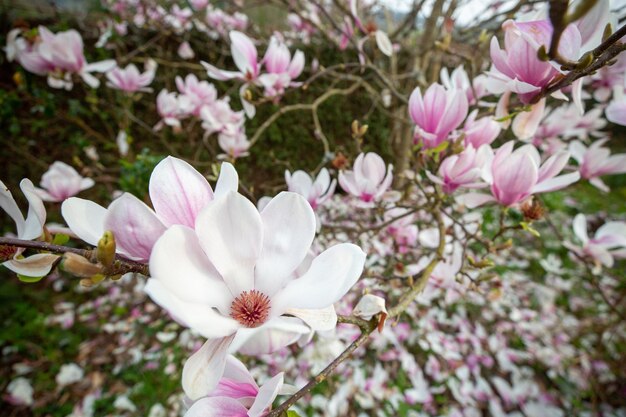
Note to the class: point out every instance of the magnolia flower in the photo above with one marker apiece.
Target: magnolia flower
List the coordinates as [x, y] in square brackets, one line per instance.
[184, 51]
[596, 161]
[463, 170]
[236, 394]
[236, 271]
[172, 108]
[219, 117]
[31, 228]
[403, 229]
[459, 80]
[281, 68]
[59, 56]
[199, 93]
[245, 56]
[130, 80]
[616, 110]
[178, 193]
[436, 114]
[517, 68]
[608, 242]
[516, 175]
[367, 180]
[480, 132]
[61, 181]
[234, 145]
[316, 192]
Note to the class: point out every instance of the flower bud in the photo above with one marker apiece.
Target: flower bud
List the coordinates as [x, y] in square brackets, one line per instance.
[106, 249]
[79, 265]
[532, 210]
[369, 306]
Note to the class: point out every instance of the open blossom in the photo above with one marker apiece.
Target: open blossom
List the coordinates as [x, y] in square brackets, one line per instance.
[316, 192]
[596, 161]
[178, 192]
[516, 175]
[236, 393]
[608, 242]
[616, 110]
[235, 145]
[517, 67]
[480, 132]
[368, 180]
[172, 108]
[463, 170]
[199, 93]
[459, 80]
[61, 181]
[236, 270]
[436, 114]
[59, 56]
[280, 68]
[130, 80]
[30, 228]
[246, 60]
[219, 117]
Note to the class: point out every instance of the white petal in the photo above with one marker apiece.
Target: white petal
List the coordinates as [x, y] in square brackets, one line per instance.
[231, 233]
[37, 265]
[179, 263]
[203, 370]
[331, 275]
[217, 407]
[36, 217]
[227, 181]
[273, 335]
[580, 228]
[383, 42]
[318, 320]
[556, 183]
[266, 396]
[8, 204]
[288, 232]
[85, 218]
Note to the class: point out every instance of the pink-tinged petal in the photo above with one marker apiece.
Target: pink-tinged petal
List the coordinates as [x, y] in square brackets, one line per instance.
[416, 107]
[556, 183]
[202, 318]
[274, 335]
[235, 370]
[135, 226]
[514, 179]
[8, 204]
[266, 396]
[179, 263]
[36, 217]
[577, 150]
[454, 113]
[101, 66]
[525, 124]
[178, 192]
[599, 184]
[296, 65]
[288, 232]
[591, 25]
[435, 102]
[85, 218]
[230, 231]
[217, 407]
[348, 182]
[227, 181]
[386, 183]
[37, 265]
[473, 200]
[616, 112]
[218, 74]
[244, 53]
[203, 370]
[580, 228]
[577, 92]
[331, 275]
[383, 43]
[553, 165]
[613, 233]
[318, 320]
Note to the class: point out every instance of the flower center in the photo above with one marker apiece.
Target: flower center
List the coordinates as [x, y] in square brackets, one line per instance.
[250, 308]
[7, 252]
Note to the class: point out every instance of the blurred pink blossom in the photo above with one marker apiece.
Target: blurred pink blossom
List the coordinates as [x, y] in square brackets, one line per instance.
[130, 80]
[367, 180]
[595, 161]
[61, 181]
[316, 192]
[609, 241]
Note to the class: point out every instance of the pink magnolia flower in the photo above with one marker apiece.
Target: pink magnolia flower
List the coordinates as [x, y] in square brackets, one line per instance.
[59, 56]
[281, 68]
[316, 192]
[480, 132]
[237, 270]
[235, 145]
[61, 181]
[172, 108]
[236, 393]
[463, 170]
[31, 228]
[517, 68]
[596, 161]
[404, 230]
[516, 175]
[246, 59]
[178, 192]
[616, 110]
[367, 180]
[459, 80]
[199, 93]
[130, 80]
[219, 117]
[609, 241]
[436, 114]
[184, 51]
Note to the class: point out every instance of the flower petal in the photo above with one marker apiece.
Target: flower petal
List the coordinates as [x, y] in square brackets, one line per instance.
[217, 407]
[227, 181]
[37, 265]
[273, 335]
[85, 218]
[178, 192]
[266, 396]
[36, 217]
[331, 275]
[319, 319]
[230, 231]
[288, 232]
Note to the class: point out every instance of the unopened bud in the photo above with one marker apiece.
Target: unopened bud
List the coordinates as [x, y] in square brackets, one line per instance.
[608, 31]
[355, 128]
[79, 265]
[369, 306]
[90, 282]
[363, 130]
[106, 249]
[585, 60]
[483, 263]
[247, 95]
[18, 79]
[532, 210]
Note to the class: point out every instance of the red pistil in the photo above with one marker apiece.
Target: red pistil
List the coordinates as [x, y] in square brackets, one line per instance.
[251, 308]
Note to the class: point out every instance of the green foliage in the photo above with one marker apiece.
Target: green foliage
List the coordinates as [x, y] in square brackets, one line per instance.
[135, 175]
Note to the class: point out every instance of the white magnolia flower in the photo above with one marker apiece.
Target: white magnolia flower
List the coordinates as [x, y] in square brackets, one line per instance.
[61, 182]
